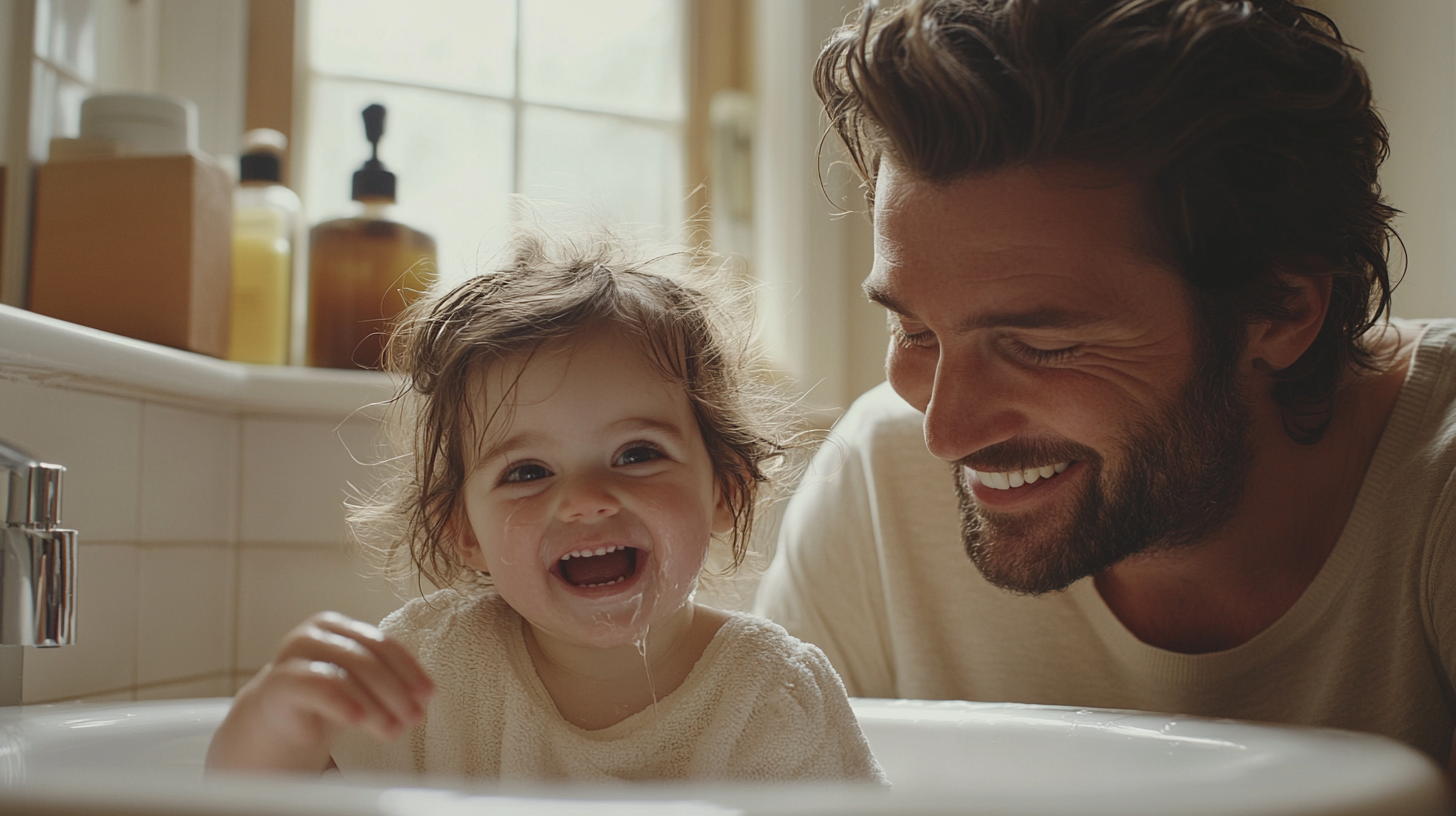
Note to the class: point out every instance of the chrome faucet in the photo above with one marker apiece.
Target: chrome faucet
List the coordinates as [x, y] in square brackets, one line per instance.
[37, 559]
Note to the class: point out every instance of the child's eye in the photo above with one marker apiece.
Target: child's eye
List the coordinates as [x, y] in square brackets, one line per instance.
[529, 472]
[637, 454]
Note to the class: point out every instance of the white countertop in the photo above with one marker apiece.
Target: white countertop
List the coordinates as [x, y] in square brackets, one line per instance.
[50, 352]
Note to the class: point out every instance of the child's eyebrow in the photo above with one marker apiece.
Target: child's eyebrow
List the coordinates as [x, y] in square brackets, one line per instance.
[668, 429]
[520, 440]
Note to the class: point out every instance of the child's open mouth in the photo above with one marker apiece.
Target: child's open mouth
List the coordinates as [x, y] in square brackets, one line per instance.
[598, 567]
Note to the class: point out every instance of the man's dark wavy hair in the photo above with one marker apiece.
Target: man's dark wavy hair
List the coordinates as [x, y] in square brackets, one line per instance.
[1248, 123]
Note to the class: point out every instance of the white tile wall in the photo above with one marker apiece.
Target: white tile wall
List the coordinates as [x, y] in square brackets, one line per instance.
[205, 536]
[97, 438]
[281, 585]
[177, 465]
[296, 473]
[186, 611]
[189, 488]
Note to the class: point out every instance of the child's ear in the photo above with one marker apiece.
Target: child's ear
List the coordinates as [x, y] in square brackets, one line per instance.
[467, 546]
[1277, 344]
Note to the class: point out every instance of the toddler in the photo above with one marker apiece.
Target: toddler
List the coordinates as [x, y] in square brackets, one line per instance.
[583, 424]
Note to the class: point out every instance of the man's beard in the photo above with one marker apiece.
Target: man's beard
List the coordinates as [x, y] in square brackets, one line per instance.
[1180, 477]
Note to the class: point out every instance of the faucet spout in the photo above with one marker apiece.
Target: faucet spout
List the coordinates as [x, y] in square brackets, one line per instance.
[37, 558]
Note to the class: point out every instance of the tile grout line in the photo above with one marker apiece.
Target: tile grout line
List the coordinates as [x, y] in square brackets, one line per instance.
[134, 690]
[136, 577]
[237, 553]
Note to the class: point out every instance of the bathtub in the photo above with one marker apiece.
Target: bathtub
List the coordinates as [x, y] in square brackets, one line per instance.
[943, 757]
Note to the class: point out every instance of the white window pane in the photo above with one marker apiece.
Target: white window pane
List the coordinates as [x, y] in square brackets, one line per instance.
[66, 35]
[462, 44]
[623, 56]
[450, 153]
[55, 108]
[576, 166]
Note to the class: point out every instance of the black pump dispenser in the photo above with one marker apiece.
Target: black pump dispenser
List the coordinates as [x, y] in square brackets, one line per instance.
[372, 181]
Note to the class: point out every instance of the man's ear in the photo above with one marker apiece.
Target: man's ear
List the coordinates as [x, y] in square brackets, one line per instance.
[466, 545]
[1277, 344]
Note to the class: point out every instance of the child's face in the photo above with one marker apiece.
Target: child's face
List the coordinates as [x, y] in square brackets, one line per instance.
[600, 453]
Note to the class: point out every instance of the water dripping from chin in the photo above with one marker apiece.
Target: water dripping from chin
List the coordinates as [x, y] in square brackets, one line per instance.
[641, 644]
[627, 610]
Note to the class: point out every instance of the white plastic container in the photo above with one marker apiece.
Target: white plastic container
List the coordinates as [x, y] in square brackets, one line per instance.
[147, 124]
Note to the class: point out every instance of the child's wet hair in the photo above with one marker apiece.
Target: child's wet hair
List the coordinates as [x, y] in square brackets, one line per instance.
[694, 325]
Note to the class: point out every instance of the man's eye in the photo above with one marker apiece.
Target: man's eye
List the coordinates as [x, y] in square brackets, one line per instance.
[637, 454]
[525, 473]
[1038, 356]
[921, 338]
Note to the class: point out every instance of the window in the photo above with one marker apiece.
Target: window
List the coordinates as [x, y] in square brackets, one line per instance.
[579, 105]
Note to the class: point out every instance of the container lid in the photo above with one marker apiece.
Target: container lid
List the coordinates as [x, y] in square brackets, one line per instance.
[372, 182]
[262, 158]
[147, 123]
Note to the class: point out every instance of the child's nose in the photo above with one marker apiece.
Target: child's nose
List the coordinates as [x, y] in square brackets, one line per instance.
[586, 497]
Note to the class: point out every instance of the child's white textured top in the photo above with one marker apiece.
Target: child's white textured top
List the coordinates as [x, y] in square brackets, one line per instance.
[759, 706]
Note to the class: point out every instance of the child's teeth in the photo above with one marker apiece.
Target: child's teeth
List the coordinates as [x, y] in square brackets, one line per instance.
[588, 553]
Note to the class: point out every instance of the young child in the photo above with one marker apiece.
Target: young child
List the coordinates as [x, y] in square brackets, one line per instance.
[583, 424]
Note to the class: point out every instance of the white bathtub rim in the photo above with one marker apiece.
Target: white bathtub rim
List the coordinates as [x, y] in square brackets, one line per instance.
[1386, 777]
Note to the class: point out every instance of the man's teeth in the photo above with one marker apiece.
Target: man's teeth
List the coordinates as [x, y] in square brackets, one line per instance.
[590, 553]
[1017, 478]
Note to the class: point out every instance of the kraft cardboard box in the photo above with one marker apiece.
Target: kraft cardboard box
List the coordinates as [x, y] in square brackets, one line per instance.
[136, 245]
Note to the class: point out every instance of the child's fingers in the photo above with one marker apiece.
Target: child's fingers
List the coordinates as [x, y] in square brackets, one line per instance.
[329, 692]
[364, 663]
[384, 647]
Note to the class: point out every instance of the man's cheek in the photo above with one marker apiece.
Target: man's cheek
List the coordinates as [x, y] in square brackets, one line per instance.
[911, 373]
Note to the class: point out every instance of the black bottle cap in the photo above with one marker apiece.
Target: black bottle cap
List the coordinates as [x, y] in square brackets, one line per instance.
[262, 158]
[260, 167]
[372, 181]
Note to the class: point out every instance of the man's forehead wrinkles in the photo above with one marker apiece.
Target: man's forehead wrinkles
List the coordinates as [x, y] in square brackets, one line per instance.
[1050, 317]
[879, 288]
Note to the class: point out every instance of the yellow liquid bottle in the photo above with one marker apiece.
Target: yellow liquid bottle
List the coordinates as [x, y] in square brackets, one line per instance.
[265, 217]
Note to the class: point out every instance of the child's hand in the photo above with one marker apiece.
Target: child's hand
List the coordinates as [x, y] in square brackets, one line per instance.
[330, 673]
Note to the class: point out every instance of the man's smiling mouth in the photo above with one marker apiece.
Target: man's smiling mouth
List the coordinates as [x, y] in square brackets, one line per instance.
[590, 568]
[1006, 480]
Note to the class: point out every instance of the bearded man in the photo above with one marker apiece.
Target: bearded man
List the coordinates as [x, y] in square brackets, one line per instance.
[1133, 254]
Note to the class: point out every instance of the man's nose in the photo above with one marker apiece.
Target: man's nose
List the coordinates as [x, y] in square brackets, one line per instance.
[587, 496]
[970, 407]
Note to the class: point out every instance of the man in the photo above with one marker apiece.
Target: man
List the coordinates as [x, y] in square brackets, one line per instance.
[1134, 258]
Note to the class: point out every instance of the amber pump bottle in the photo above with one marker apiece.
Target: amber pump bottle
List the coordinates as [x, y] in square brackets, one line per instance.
[364, 270]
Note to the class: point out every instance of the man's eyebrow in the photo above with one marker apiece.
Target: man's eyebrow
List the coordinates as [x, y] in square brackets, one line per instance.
[877, 293]
[1050, 317]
